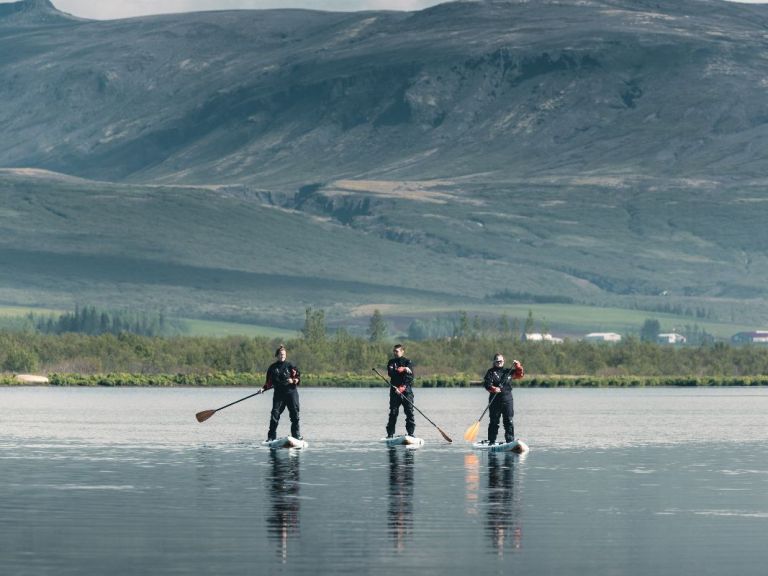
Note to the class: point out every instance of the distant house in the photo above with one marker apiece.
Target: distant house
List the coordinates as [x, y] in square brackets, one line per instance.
[754, 337]
[603, 337]
[670, 338]
[539, 337]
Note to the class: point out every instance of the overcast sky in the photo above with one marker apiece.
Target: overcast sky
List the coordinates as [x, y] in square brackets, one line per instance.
[106, 9]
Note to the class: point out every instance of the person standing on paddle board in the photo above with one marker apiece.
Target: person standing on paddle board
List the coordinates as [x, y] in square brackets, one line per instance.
[400, 372]
[284, 377]
[498, 381]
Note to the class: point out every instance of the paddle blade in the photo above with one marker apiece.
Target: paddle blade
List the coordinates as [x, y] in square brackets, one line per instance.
[204, 415]
[471, 434]
[447, 438]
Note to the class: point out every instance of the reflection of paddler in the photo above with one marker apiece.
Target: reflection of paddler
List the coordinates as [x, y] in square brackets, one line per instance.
[400, 512]
[503, 512]
[283, 521]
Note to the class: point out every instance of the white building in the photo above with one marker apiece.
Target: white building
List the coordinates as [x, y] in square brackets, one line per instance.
[754, 337]
[670, 338]
[603, 337]
[539, 337]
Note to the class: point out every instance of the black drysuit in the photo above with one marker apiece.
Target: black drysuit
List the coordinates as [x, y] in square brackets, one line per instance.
[501, 403]
[286, 396]
[396, 400]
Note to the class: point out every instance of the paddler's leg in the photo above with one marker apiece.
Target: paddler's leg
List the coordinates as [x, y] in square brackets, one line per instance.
[410, 421]
[278, 405]
[507, 413]
[494, 415]
[292, 401]
[394, 408]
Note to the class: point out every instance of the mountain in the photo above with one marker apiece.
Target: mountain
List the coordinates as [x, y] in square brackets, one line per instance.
[610, 152]
[494, 87]
[32, 13]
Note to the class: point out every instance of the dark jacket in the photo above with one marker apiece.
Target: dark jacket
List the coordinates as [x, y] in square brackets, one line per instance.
[501, 377]
[278, 374]
[400, 378]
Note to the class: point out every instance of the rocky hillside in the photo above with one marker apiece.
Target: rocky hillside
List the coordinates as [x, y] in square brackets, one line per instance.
[489, 89]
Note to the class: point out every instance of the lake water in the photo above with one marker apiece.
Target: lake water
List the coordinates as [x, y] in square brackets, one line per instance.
[618, 482]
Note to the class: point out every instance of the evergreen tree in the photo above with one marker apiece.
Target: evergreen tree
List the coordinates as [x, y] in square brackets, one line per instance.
[529, 323]
[504, 327]
[314, 326]
[462, 330]
[650, 330]
[377, 328]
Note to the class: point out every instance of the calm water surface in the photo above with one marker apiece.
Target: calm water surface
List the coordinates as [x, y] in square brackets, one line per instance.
[618, 482]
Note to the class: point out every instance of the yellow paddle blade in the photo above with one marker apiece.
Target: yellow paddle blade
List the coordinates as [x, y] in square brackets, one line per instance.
[472, 431]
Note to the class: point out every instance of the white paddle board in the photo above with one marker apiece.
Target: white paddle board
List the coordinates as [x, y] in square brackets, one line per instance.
[516, 446]
[404, 440]
[285, 442]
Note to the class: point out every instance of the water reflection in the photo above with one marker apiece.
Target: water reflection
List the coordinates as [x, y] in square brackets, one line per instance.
[283, 520]
[205, 463]
[400, 511]
[502, 522]
[472, 479]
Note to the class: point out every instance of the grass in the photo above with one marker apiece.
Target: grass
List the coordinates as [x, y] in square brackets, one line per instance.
[17, 311]
[574, 320]
[220, 329]
[197, 252]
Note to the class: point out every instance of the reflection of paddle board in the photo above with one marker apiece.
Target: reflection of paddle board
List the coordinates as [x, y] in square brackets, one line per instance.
[404, 440]
[285, 442]
[516, 446]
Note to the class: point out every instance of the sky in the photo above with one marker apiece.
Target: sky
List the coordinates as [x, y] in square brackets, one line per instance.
[109, 9]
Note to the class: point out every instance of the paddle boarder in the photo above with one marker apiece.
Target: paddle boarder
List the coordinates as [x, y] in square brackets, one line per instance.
[400, 372]
[498, 382]
[285, 378]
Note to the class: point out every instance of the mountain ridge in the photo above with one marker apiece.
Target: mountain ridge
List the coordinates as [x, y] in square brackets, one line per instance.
[591, 85]
[33, 13]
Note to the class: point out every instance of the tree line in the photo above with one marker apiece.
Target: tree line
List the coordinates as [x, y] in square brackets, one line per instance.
[94, 321]
[347, 360]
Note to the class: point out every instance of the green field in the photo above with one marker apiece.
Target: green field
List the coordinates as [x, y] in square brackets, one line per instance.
[571, 320]
[20, 311]
[226, 254]
[221, 329]
[566, 320]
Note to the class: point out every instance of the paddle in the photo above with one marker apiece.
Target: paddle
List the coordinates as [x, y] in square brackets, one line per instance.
[205, 414]
[447, 438]
[471, 434]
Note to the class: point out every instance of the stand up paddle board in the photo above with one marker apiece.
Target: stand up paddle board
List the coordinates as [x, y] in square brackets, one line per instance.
[404, 440]
[516, 446]
[285, 442]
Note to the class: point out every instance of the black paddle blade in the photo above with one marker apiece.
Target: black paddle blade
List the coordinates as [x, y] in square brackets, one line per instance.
[204, 415]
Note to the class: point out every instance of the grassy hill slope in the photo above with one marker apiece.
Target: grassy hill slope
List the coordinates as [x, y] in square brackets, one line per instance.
[224, 253]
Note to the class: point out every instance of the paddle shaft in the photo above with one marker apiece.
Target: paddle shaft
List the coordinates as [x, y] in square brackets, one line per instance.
[413, 405]
[487, 407]
[241, 399]
[506, 375]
